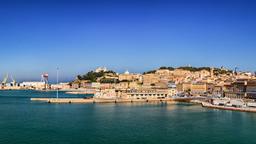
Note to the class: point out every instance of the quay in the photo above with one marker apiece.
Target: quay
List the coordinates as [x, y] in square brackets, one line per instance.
[63, 100]
[241, 109]
[94, 100]
[97, 100]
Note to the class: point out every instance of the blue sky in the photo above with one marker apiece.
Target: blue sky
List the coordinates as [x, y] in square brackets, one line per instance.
[138, 35]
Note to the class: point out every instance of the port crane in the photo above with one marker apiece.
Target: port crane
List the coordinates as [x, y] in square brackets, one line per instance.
[6, 78]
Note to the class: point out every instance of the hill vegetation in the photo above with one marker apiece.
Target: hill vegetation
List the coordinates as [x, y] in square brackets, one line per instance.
[93, 76]
[194, 69]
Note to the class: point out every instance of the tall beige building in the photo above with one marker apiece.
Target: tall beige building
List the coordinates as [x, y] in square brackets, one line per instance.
[149, 79]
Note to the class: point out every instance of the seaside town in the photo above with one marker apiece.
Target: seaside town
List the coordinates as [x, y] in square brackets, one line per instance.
[187, 81]
[226, 86]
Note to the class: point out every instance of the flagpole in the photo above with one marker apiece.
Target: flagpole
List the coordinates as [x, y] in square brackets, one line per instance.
[57, 83]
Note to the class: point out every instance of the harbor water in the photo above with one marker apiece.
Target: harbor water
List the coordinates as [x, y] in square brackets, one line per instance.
[23, 121]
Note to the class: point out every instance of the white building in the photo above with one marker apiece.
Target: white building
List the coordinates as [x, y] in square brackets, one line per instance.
[100, 69]
[147, 94]
[127, 72]
[36, 85]
[62, 86]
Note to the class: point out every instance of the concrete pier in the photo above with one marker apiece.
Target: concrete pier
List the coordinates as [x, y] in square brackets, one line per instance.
[63, 100]
[245, 109]
[97, 100]
[93, 100]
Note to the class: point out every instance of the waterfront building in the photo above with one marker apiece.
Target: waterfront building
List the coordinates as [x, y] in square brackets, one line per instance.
[198, 88]
[95, 85]
[134, 94]
[106, 94]
[33, 85]
[242, 88]
[147, 94]
[61, 86]
[251, 89]
[217, 90]
[75, 85]
[183, 87]
[85, 84]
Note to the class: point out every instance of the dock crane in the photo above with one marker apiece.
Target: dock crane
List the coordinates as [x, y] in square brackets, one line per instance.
[13, 83]
[5, 80]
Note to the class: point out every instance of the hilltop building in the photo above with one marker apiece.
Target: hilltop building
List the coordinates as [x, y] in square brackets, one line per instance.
[101, 69]
[126, 76]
